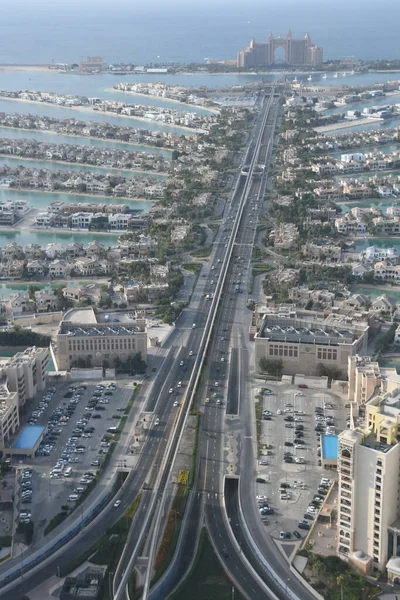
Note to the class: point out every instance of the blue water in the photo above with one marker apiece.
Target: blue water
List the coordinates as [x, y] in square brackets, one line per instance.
[54, 138]
[14, 161]
[180, 30]
[64, 238]
[329, 445]
[62, 112]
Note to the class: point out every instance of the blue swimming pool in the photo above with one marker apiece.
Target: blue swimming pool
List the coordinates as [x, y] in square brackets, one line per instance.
[329, 445]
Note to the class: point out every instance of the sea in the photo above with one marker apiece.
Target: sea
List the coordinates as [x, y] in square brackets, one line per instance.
[155, 31]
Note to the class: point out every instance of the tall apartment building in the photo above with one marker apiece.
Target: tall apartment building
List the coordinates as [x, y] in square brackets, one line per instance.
[99, 342]
[369, 486]
[26, 372]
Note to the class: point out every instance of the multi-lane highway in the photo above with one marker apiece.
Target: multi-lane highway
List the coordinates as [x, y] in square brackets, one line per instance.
[217, 325]
[227, 436]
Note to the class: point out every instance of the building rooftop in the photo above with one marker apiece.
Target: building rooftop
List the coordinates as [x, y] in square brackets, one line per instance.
[99, 330]
[295, 330]
[28, 437]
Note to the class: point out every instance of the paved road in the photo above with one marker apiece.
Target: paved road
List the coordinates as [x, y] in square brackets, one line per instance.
[226, 442]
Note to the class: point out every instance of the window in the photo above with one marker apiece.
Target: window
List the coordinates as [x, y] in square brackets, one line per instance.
[327, 354]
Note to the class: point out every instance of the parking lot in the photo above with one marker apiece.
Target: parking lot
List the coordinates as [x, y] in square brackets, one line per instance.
[290, 465]
[79, 418]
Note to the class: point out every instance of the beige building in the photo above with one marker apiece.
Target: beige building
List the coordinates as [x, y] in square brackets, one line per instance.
[26, 372]
[99, 342]
[368, 501]
[366, 377]
[304, 344]
[9, 414]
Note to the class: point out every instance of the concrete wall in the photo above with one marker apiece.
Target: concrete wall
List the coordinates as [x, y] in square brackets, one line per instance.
[38, 319]
[94, 374]
[312, 382]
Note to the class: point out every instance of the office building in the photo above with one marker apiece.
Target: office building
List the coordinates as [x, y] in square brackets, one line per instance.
[89, 344]
[304, 344]
[297, 52]
[368, 501]
[26, 372]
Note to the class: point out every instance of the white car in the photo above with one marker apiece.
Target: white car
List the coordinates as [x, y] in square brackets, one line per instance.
[117, 503]
[299, 394]
[191, 353]
[175, 403]
[279, 412]
[170, 390]
[299, 460]
[262, 498]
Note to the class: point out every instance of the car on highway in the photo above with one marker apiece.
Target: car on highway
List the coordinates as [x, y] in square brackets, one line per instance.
[191, 353]
[175, 403]
[117, 503]
[171, 390]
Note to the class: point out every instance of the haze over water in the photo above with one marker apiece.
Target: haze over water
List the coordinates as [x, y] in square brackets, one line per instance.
[183, 30]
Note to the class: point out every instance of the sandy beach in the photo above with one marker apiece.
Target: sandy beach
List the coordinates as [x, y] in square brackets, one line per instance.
[104, 112]
[72, 135]
[61, 162]
[346, 125]
[215, 111]
[27, 68]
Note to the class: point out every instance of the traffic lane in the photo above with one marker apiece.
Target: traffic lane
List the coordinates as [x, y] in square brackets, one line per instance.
[236, 526]
[81, 543]
[227, 555]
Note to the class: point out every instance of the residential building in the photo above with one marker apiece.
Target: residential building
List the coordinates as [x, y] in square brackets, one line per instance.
[46, 301]
[386, 271]
[285, 235]
[20, 302]
[382, 305]
[59, 268]
[369, 490]
[323, 250]
[374, 253]
[26, 372]
[96, 343]
[346, 224]
[304, 344]
[9, 414]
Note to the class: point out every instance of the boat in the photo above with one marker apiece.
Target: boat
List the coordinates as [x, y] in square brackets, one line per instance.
[351, 72]
[309, 78]
[343, 74]
[295, 80]
[324, 76]
[335, 75]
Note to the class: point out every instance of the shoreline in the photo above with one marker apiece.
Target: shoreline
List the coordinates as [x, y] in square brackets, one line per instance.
[104, 112]
[84, 137]
[60, 230]
[36, 191]
[61, 162]
[346, 125]
[153, 96]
